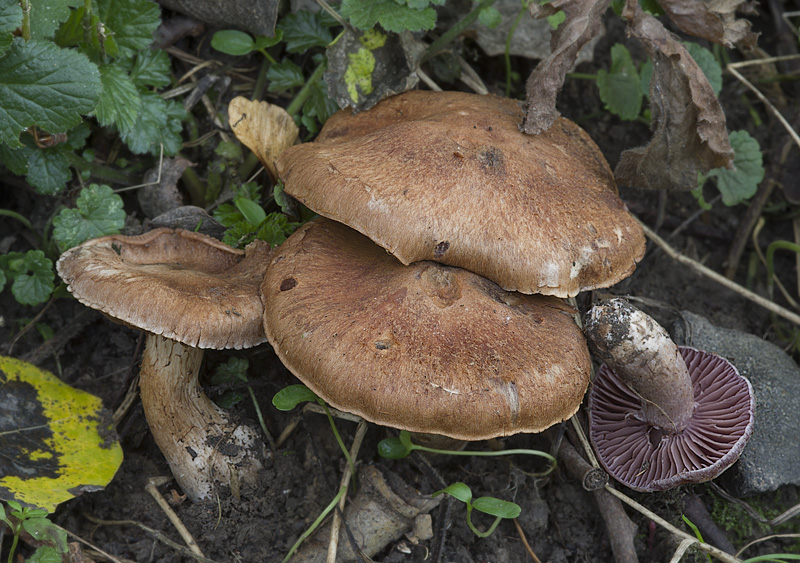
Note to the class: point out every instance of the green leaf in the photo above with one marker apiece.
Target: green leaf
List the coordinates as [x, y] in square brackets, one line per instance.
[264, 42]
[619, 87]
[232, 371]
[275, 228]
[319, 105]
[159, 122]
[43, 85]
[740, 184]
[250, 210]
[364, 14]
[10, 20]
[46, 15]
[228, 215]
[497, 507]
[16, 159]
[707, 62]
[48, 170]
[57, 441]
[233, 42]
[44, 530]
[45, 554]
[151, 68]
[240, 234]
[490, 17]
[99, 213]
[459, 491]
[32, 275]
[131, 22]
[120, 102]
[304, 30]
[284, 75]
[289, 397]
[392, 448]
[71, 33]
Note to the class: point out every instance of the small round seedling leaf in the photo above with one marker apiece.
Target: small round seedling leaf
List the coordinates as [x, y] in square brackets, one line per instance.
[497, 507]
[392, 448]
[619, 87]
[264, 42]
[458, 491]
[233, 42]
[289, 397]
[57, 441]
[741, 183]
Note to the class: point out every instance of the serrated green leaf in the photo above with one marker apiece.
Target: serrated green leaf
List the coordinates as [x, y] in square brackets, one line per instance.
[459, 491]
[233, 42]
[57, 441]
[740, 184]
[289, 397]
[275, 229]
[48, 170]
[32, 275]
[10, 20]
[240, 234]
[707, 62]
[303, 30]
[151, 68]
[319, 105]
[72, 33]
[232, 371]
[43, 530]
[228, 215]
[159, 122]
[99, 212]
[47, 15]
[120, 102]
[45, 554]
[620, 88]
[497, 507]
[3, 281]
[131, 22]
[490, 17]
[43, 85]
[364, 14]
[16, 160]
[284, 75]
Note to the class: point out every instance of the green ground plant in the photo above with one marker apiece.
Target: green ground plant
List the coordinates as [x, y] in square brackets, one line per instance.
[34, 521]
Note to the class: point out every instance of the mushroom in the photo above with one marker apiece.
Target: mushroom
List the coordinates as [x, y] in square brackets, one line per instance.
[660, 415]
[449, 177]
[427, 347]
[189, 292]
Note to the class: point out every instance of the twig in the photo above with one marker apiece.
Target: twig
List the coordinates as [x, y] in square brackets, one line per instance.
[94, 547]
[722, 280]
[428, 80]
[528, 547]
[157, 534]
[333, 545]
[733, 68]
[154, 482]
[315, 408]
[765, 538]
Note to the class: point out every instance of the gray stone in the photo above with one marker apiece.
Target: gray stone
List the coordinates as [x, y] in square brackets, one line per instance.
[772, 456]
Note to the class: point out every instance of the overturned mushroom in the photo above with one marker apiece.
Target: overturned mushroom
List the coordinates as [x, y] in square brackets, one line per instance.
[427, 347]
[660, 415]
[188, 292]
[448, 177]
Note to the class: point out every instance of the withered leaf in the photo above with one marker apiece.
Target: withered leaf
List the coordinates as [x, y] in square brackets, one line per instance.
[689, 126]
[714, 20]
[265, 129]
[583, 22]
[160, 194]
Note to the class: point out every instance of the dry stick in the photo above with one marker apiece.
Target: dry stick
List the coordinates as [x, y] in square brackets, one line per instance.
[91, 545]
[428, 80]
[154, 482]
[315, 408]
[722, 280]
[525, 542]
[333, 545]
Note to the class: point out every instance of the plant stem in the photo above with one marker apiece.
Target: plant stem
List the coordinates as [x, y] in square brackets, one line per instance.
[455, 31]
[507, 54]
[305, 91]
[87, 21]
[340, 442]
[26, 23]
[14, 215]
[261, 79]
[313, 526]
[97, 171]
[581, 76]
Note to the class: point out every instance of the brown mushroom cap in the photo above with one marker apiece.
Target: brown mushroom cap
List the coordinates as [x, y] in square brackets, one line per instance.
[645, 458]
[183, 285]
[426, 347]
[448, 176]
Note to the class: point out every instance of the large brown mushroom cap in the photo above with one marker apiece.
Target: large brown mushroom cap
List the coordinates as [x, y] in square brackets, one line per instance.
[644, 457]
[426, 347]
[182, 285]
[449, 177]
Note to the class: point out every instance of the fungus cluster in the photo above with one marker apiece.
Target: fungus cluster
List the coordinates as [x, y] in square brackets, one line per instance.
[445, 335]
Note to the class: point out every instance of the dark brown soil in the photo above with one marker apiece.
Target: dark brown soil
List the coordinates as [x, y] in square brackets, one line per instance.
[559, 519]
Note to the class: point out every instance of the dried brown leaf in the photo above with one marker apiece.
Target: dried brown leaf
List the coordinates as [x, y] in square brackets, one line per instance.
[714, 20]
[583, 22]
[265, 129]
[689, 126]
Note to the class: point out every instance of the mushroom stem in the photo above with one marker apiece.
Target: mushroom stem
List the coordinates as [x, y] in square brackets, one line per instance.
[646, 359]
[201, 443]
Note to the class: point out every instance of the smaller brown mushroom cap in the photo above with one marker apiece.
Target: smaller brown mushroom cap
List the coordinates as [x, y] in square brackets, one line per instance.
[182, 285]
[644, 457]
[449, 177]
[426, 347]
